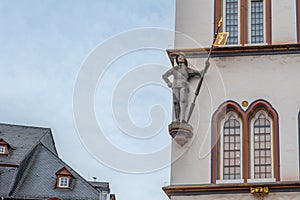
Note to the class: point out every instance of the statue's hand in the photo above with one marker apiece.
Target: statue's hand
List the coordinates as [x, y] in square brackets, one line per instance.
[202, 73]
[169, 84]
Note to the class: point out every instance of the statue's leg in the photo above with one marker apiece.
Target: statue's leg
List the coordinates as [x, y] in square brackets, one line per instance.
[183, 103]
[176, 103]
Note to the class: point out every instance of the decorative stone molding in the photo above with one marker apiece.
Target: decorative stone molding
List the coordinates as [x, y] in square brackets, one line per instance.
[284, 188]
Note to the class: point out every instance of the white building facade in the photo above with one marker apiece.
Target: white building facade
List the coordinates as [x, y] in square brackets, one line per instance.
[246, 122]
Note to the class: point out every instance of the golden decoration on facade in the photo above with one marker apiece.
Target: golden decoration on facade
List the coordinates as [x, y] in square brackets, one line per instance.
[260, 192]
[245, 103]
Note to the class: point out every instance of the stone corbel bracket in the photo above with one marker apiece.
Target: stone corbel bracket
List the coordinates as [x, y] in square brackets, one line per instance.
[181, 132]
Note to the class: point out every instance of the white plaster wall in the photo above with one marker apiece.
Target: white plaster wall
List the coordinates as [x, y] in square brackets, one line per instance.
[273, 78]
[195, 18]
[191, 163]
[284, 22]
[194, 23]
[270, 196]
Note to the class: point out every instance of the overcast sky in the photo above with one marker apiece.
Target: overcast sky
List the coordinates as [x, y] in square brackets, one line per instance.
[45, 47]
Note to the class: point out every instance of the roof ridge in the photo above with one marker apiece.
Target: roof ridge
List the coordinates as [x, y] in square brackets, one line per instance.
[48, 131]
[34, 145]
[25, 126]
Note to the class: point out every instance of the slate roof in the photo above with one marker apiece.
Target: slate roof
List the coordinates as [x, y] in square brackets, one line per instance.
[7, 174]
[101, 186]
[23, 139]
[39, 179]
[29, 171]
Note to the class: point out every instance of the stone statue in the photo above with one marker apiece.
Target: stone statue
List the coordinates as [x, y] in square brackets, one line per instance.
[180, 86]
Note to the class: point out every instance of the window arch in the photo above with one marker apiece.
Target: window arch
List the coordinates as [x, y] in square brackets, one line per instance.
[255, 109]
[258, 140]
[230, 147]
[261, 147]
[227, 136]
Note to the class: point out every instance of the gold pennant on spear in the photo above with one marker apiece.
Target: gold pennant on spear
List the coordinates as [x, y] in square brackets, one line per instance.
[221, 37]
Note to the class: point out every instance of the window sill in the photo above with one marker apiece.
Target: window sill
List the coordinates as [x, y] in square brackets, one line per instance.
[262, 180]
[60, 187]
[230, 181]
[256, 44]
[232, 45]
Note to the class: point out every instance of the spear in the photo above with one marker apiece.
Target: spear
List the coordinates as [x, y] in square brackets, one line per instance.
[207, 64]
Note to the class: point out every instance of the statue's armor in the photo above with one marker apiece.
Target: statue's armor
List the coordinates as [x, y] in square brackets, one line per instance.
[180, 87]
[181, 76]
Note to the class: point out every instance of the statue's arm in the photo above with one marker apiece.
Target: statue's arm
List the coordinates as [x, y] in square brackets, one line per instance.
[166, 75]
[195, 72]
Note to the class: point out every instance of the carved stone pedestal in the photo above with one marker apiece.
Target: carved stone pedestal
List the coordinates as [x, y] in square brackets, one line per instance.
[181, 132]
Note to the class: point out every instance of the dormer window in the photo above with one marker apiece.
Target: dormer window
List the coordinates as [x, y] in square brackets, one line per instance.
[64, 182]
[63, 178]
[3, 147]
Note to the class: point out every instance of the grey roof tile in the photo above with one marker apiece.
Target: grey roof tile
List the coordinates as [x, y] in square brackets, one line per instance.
[7, 174]
[23, 139]
[29, 171]
[101, 186]
[40, 179]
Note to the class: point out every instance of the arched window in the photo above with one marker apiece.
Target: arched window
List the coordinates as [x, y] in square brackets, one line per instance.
[230, 146]
[261, 147]
[245, 146]
[226, 144]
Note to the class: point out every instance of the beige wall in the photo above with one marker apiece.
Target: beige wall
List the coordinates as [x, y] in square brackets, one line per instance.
[270, 196]
[284, 22]
[194, 23]
[274, 78]
[195, 19]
